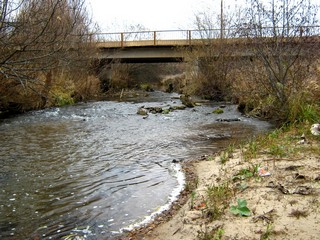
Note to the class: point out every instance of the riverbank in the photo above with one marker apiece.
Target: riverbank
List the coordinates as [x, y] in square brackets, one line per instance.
[276, 177]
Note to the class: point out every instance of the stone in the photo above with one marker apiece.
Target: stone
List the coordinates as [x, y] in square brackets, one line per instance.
[218, 111]
[142, 111]
[187, 101]
[192, 216]
[178, 107]
[228, 119]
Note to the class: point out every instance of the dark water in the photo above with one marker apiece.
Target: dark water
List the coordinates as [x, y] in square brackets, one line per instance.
[87, 171]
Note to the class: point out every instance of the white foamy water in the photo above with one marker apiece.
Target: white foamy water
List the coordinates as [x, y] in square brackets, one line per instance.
[179, 175]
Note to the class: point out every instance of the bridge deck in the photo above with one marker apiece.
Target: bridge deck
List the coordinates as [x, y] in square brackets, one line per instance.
[142, 43]
[162, 45]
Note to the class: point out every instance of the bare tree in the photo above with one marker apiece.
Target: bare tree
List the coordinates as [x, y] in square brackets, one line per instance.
[282, 38]
[39, 38]
[210, 62]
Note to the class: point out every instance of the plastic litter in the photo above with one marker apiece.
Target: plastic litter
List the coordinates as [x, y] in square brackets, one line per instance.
[315, 129]
[263, 172]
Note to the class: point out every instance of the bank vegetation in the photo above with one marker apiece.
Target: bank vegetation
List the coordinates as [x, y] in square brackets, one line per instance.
[266, 59]
[45, 52]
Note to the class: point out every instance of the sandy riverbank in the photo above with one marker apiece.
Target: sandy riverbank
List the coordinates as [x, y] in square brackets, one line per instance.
[284, 205]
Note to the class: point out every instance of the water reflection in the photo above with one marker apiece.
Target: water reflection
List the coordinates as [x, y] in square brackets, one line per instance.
[93, 168]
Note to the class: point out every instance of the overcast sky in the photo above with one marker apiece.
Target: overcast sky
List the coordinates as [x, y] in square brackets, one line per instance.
[118, 15]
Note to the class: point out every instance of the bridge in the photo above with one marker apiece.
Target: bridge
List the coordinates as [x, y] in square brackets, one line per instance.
[150, 46]
[162, 46]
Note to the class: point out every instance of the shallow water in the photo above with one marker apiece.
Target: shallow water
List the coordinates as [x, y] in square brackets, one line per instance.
[92, 169]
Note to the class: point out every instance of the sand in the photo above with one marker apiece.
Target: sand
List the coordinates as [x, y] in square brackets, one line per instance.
[283, 205]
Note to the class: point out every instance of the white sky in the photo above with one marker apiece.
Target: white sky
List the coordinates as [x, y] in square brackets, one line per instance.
[118, 15]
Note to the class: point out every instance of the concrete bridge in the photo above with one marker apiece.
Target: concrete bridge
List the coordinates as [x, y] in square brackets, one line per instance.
[150, 46]
[163, 46]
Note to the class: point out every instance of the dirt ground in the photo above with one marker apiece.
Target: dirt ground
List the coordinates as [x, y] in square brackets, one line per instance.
[283, 205]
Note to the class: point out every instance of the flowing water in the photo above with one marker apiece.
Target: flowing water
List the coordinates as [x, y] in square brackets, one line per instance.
[89, 170]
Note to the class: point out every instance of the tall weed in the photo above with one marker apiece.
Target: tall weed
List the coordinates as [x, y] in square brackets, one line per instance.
[217, 200]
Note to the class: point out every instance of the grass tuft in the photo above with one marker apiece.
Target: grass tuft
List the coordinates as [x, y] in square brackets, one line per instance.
[217, 200]
[214, 234]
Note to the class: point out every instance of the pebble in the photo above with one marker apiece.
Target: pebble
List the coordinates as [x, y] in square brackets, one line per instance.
[193, 215]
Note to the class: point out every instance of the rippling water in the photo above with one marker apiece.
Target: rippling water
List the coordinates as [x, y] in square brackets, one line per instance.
[91, 169]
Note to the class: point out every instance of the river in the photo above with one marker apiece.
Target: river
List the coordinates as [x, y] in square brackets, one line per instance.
[89, 170]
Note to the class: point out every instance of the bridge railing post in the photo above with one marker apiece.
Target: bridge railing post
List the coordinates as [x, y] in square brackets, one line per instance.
[189, 37]
[154, 38]
[122, 39]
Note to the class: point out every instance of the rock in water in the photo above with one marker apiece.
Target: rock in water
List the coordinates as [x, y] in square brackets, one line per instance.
[187, 101]
[228, 120]
[142, 111]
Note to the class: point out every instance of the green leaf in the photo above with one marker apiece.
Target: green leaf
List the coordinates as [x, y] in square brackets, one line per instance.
[242, 203]
[234, 210]
[244, 211]
[241, 209]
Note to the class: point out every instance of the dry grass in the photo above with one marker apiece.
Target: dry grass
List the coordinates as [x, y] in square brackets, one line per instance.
[87, 87]
[55, 88]
[19, 97]
[293, 202]
[299, 213]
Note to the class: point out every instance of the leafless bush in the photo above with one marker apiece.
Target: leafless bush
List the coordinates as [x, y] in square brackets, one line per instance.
[282, 39]
[210, 63]
[39, 39]
[270, 61]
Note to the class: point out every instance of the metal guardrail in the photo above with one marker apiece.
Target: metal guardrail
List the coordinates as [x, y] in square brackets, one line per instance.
[155, 38]
[186, 37]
